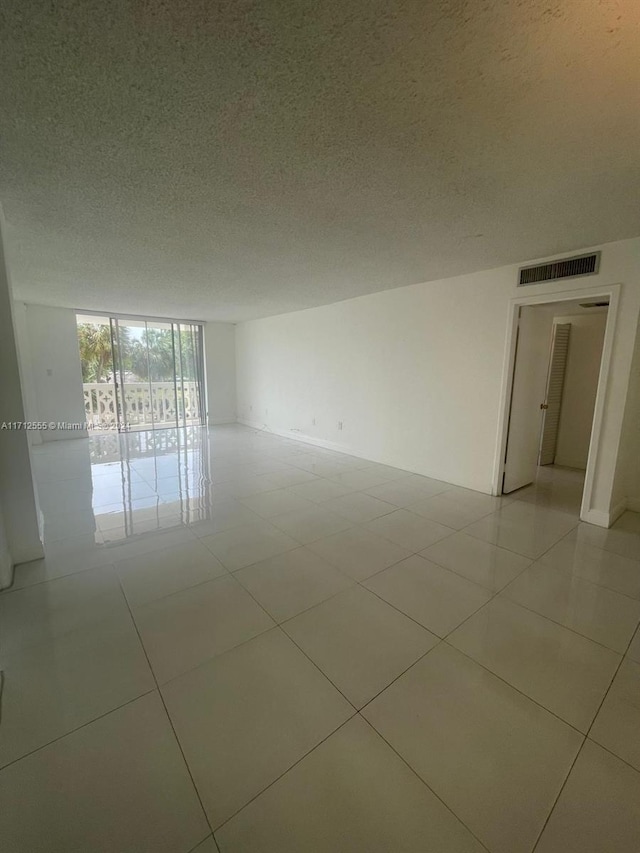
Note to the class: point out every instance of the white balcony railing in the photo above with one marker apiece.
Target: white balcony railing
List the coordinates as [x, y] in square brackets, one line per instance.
[145, 404]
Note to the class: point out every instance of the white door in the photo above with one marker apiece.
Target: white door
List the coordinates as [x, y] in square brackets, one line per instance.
[527, 395]
[553, 393]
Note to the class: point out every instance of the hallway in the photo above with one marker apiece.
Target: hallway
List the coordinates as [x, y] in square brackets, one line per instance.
[240, 642]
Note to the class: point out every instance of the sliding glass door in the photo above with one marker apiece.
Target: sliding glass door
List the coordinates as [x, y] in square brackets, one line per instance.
[159, 375]
[189, 372]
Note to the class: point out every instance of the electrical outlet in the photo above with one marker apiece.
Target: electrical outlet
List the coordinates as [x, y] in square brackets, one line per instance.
[339, 424]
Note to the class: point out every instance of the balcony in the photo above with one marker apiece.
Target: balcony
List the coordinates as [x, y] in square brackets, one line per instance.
[146, 404]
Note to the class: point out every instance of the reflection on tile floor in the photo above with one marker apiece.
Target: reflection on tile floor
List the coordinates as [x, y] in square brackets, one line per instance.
[240, 642]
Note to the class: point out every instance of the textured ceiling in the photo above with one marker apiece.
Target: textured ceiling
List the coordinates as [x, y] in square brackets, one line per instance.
[230, 160]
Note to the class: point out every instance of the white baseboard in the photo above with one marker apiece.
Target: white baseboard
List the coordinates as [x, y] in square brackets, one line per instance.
[617, 511]
[62, 435]
[309, 439]
[9, 562]
[6, 569]
[28, 555]
[605, 519]
[345, 448]
[597, 517]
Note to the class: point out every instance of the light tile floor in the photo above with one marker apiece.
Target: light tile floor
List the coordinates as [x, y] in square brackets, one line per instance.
[243, 643]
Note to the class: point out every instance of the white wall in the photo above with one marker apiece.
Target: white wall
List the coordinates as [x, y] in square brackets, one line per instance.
[26, 371]
[48, 344]
[52, 339]
[580, 387]
[628, 474]
[18, 501]
[6, 561]
[415, 374]
[220, 372]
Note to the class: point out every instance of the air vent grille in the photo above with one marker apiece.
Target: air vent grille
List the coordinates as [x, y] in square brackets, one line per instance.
[565, 268]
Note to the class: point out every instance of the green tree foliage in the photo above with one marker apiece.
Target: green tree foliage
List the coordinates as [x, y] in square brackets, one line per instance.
[151, 356]
[95, 352]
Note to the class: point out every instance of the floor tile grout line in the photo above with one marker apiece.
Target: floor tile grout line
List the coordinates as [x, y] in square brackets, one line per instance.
[570, 574]
[77, 729]
[415, 553]
[581, 734]
[445, 640]
[623, 657]
[487, 603]
[49, 640]
[166, 711]
[298, 545]
[355, 710]
[457, 574]
[444, 568]
[424, 782]
[288, 770]
[209, 660]
[517, 689]
[567, 627]
[318, 667]
[206, 838]
[279, 624]
[393, 542]
[496, 593]
[613, 754]
[602, 551]
[495, 545]
[363, 491]
[465, 577]
[511, 551]
[555, 802]
[168, 550]
[276, 624]
[282, 623]
[11, 589]
[398, 610]
[140, 605]
[541, 615]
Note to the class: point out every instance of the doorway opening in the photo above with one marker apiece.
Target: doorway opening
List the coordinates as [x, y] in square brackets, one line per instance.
[554, 394]
[140, 373]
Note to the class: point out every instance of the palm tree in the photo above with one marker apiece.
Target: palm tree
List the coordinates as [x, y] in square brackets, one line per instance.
[152, 355]
[96, 356]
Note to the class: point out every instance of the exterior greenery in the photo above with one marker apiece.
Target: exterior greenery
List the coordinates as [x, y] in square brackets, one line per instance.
[148, 357]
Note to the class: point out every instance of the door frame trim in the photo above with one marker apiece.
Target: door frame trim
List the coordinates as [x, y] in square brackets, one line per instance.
[552, 353]
[112, 320]
[515, 303]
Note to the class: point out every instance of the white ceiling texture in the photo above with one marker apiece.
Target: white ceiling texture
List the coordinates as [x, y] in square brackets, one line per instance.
[231, 160]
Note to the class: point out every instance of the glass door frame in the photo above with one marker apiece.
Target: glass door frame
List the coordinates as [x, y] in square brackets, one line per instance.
[176, 327]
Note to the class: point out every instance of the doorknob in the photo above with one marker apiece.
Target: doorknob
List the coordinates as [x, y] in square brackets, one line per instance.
[544, 405]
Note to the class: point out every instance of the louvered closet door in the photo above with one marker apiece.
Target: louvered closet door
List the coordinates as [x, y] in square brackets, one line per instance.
[553, 398]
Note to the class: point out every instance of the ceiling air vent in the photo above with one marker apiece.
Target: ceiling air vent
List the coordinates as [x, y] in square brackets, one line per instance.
[564, 268]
